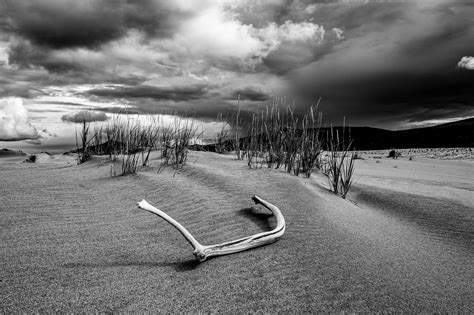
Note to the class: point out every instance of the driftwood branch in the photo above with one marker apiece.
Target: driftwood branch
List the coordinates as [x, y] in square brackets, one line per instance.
[202, 252]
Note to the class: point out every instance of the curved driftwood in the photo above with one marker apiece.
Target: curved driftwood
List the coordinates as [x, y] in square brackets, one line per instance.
[202, 252]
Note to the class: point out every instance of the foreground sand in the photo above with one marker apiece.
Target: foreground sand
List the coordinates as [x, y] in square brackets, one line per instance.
[73, 239]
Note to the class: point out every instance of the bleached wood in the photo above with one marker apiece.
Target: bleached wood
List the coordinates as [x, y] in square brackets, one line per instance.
[202, 252]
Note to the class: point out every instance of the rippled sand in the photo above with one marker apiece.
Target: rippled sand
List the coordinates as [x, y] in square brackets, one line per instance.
[73, 239]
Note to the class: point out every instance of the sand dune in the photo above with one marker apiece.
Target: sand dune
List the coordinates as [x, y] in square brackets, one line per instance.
[74, 240]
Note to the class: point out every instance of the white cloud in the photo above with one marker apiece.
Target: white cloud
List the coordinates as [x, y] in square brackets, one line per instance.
[310, 9]
[274, 35]
[466, 63]
[14, 123]
[216, 32]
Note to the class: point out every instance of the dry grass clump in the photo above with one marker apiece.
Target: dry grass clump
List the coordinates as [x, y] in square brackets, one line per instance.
[339, 165]
[31, 159]
[129, 142]
[175, 141]
[281, 139]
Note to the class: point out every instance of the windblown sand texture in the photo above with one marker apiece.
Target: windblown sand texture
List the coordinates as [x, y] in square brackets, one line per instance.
[73, 239]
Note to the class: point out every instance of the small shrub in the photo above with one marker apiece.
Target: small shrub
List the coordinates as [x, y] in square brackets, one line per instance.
[357, 156]
[394, 154]
[31, 159]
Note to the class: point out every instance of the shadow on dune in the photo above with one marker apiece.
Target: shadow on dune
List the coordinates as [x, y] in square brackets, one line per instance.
[441, 219]
[259, 217]
[179, 266]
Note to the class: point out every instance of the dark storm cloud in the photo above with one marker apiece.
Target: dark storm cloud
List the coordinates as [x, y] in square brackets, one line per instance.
[20, 83]
[15, 89]
[206, 109]
[71, 23]
[180, 93]
[385, 97]
[382, 97]
[68, 66]
[200, 108]
[120, 110]
[384, 62]
[39, 66]
[249, 94]
[26, 55]
[398, 65]
[290, 57]
[64, 24]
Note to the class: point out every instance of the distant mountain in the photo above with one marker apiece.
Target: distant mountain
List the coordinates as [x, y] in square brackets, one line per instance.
[454, 134]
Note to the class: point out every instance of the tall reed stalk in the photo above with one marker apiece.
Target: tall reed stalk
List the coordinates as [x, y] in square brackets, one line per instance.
[222, 134]
[83, 149]
[237, 127]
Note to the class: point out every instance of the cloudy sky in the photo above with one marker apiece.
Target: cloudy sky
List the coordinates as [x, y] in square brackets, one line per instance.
[391, 64]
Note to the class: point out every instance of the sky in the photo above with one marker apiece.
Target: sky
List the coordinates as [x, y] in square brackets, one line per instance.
[392, 64]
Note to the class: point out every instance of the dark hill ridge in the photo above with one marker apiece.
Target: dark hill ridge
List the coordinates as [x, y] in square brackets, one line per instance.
[455, 134]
